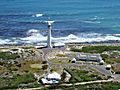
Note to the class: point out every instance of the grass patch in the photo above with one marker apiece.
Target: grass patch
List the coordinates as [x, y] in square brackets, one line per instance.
[82, 75]
[61, 55]
[59, 60]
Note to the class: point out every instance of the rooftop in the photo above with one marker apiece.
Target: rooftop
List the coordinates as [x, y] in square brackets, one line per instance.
[89, 57]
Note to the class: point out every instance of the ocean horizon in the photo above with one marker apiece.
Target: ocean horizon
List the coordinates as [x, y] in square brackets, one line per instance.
[23, 21]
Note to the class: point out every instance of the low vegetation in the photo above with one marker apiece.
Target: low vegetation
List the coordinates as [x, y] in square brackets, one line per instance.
[8, 56]
[62, 60]
[29, 47]
[100, 86]
[112, 60]
[61, 55]
[96, 49]
[16, 81]
[82, 75]
[111, 57]
[116, 68]
[20, 74]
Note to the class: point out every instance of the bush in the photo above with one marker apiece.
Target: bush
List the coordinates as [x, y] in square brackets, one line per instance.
[104, 56]
[19, 65]
[44, 62]
[63, 76]
[44, 67]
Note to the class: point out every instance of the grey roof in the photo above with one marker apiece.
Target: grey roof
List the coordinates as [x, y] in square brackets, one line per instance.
[89, 57]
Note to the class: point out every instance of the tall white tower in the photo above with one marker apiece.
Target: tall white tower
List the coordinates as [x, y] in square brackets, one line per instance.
[49, 44]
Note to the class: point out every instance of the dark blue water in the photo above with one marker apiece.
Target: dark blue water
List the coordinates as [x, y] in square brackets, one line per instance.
[18, 17]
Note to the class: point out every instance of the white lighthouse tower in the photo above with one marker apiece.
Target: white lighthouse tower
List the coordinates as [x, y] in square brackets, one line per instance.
[49, 44]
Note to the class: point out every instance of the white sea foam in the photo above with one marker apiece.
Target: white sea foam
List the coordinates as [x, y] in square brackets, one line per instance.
[3, 41]
[116, 34]
[7, 41]
[87, 21]
[86, 39]
[34, 36]
[49, 21]
[96, 18]
[37, 15]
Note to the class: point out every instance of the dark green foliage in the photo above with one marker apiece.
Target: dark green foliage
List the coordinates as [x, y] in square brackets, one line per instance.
[12, 83]
[63, 76]
[19, 65]
[2, 63]
[44, 62]
[96, 49]
[31, 85]
[112, 60]
[14, 69]
[104, 56]
[7, 56]
[76, 50]
[44, 67]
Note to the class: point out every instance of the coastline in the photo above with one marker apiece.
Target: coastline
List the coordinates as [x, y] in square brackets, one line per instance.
[65, 45]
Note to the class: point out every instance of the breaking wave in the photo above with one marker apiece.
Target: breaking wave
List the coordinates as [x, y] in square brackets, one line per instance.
[34, 36]
[92, 22]
[37, 15]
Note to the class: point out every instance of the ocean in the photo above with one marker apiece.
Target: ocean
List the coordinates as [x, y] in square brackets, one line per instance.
[23, 21]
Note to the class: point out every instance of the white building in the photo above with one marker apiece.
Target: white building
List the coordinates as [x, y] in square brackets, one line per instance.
[52, 78]
[73, 60]
[108, 67]
[89, 57]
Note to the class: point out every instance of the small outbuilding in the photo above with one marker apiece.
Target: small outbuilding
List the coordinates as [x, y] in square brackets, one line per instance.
[108, 67]
[73, 60]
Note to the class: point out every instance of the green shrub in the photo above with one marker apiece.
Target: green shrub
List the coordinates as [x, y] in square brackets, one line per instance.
[104, 56]
[44, 62]
[44, 67]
